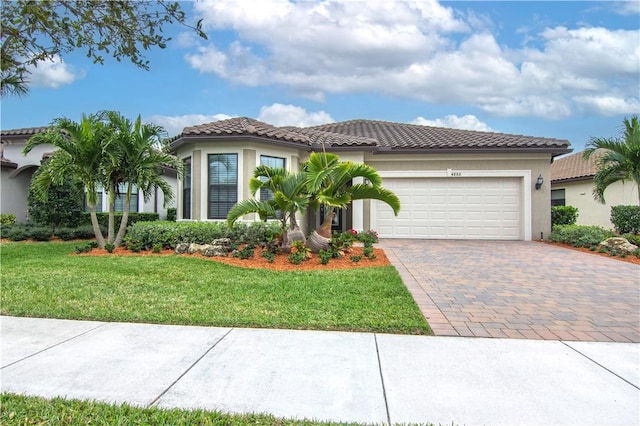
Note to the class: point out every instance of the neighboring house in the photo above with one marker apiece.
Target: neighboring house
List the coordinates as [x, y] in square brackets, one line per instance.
[572, 185]
[452, 184]
[17, 170]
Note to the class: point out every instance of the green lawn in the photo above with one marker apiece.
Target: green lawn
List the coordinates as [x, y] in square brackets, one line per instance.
[21, 410]
[44, 280]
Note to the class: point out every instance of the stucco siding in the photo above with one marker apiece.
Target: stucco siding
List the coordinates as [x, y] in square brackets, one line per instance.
[579, 194]
[15, 190]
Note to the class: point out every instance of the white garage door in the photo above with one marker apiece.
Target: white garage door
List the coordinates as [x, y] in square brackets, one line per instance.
[452, 208]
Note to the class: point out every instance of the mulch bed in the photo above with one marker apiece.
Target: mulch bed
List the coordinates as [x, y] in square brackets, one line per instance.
[258, 262]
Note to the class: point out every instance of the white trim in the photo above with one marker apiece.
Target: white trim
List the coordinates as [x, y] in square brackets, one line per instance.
[525, 187]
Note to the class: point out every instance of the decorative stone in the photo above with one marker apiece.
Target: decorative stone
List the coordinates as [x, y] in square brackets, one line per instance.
[221, 242]
[196, 248]
[211, 250]
[619, 243]
[182, 248]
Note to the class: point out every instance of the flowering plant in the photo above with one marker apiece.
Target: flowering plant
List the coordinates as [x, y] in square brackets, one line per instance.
[368, 238]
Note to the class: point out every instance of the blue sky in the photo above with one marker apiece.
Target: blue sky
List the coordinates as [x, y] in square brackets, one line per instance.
[568, 70]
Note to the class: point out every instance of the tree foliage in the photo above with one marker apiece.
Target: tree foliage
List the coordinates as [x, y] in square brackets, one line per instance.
[63, 205]
[619, 159]
[35, 31]
[109, 151]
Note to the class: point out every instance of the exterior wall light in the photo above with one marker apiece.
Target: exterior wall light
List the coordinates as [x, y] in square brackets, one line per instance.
[539, 182]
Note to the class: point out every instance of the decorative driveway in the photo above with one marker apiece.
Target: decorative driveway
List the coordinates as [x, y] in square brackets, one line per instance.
[519, 289]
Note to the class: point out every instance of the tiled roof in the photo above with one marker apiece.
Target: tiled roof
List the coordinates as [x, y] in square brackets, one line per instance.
[245, 126]
[332, 139]
[402, 136]
[27, 131]
[574, 167]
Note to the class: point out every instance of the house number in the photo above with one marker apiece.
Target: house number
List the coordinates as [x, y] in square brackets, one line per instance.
[453, 174]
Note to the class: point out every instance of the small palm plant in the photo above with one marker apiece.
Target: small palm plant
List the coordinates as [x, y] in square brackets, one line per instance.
[329, 183]
[289, 197]
[618, 159]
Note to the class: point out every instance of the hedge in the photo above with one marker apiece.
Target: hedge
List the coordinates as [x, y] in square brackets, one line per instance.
[169, 234]
[626, 219]
[564, 215]
[580, 235]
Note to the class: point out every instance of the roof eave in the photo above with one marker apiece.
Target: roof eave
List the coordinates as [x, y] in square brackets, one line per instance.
[184, 140]
[486, 150]
[572, 179]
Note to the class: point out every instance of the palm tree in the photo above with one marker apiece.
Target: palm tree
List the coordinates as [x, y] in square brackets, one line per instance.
[289, 197]
[620, 160]
[329, 184]
[137, 162]
[82, 150]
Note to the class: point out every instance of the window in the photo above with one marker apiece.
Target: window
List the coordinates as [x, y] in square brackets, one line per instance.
[186, 189]
[120, 199]
[223, 184]
[557, 197]
[273, 162]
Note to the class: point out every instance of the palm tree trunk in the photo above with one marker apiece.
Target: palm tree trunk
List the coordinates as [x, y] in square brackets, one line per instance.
[112, 207]
[294, 233]
[125, 218]
[96, 225]
[324, 230]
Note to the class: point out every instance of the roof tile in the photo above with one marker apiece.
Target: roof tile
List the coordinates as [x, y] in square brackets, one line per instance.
[574, 166]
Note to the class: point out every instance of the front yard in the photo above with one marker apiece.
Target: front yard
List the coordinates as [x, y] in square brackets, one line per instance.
[45, 280]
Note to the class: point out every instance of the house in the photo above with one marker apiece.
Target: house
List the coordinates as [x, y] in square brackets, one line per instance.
[572, 185]
[17, 170]
[452, 184]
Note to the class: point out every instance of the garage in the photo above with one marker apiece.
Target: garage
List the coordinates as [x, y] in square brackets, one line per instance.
[477, 208]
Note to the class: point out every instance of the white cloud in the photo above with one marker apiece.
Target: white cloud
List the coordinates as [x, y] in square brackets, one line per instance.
[466, 122]
[609, 105]
[627, 7]
[416, 49]
[291, 115]
[175, 124]
[52, 73]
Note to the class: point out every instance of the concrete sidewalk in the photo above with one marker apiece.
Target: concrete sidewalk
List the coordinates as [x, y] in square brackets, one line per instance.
[350, 377]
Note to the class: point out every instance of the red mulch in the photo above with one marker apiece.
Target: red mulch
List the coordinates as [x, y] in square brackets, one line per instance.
[258, 262]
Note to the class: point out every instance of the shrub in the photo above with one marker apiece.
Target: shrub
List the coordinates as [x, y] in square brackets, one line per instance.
[86, 232]
[85, 248]
[109, 247]
[65, 234]
[270, 256]
[633, 238]
[40, 234]
[7, 219]
[368, 252]
[63, 206]
[356, 259]
[564, 215]
[245, 253]
[368, 238]
[16, 233]
[626, 219]
[169, 234]
[325, 256]
[579, 236]
[157, 248]
[172, 214]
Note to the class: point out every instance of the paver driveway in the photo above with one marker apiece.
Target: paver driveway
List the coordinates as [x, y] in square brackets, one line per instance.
[519, 289]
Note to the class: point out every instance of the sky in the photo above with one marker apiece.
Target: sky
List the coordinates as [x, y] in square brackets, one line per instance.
[567, 70]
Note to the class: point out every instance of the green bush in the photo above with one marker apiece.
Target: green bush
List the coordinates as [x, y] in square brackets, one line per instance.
[564, 215]
[169, 234]
[16, 233]
[626, 219]
[63, 206]
[40, 234]
[632, 238]
[172, 214]
[579, 235]
[7, 219]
